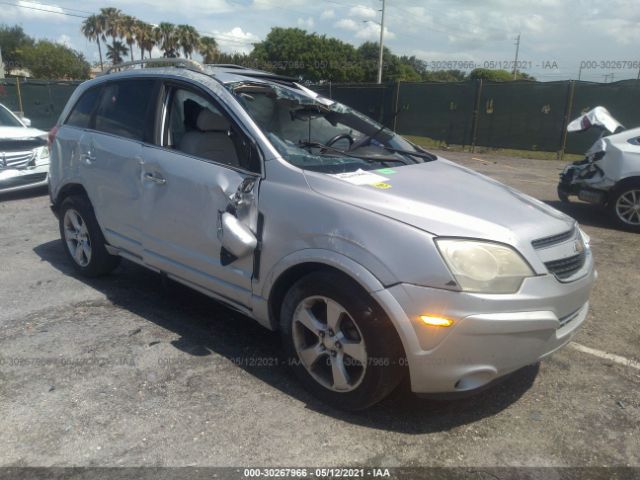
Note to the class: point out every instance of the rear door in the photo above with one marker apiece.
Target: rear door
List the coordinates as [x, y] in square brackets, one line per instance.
[204, 165]
[110, 155]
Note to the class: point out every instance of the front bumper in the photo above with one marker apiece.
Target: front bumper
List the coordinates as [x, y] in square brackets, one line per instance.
[493, 335]
[12, 180]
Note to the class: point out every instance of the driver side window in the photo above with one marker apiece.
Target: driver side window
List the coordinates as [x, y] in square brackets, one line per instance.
[195, 126]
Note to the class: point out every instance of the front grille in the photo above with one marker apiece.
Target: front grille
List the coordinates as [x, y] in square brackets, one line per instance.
[15, 159]
[554, 239]
[566, 267]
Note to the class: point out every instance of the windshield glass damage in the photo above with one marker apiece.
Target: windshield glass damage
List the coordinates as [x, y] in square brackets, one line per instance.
[315, 133]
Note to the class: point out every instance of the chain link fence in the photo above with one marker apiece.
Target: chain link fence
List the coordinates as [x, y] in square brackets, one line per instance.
[41, 101]
[518, 115]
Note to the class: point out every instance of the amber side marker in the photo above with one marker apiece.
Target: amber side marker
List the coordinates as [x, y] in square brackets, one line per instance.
[435, 321]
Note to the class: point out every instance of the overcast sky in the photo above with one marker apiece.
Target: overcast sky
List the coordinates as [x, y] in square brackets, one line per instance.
[556, 35]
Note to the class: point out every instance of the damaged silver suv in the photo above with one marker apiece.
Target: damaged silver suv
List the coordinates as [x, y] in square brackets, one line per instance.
[374, 258]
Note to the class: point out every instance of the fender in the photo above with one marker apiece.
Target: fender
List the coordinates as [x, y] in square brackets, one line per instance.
[354, 270]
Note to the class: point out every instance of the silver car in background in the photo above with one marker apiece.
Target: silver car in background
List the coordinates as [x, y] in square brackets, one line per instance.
[374, 258]
[609, 175]
[24, 155]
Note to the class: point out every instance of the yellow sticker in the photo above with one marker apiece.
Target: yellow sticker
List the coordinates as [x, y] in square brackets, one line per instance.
[381, 185]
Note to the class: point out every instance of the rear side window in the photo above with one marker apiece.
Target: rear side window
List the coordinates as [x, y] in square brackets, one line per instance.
[80, 116]
[124, 108]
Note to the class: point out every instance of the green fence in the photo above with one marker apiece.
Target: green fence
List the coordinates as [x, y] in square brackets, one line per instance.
[519, 115]
[41, 101]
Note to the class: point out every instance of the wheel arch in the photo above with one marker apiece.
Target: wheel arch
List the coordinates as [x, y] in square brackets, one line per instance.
[67, 190]
[632, 179]
[292, 268]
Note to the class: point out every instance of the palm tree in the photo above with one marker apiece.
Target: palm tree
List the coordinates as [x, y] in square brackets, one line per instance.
[167, 39]
[128, 32]
[208, 48]
[188, 39]
[92, 30]
[116, 51]
[144, 37]
[111, 22]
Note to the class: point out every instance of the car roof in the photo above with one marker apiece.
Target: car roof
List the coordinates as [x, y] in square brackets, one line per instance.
[223, 73]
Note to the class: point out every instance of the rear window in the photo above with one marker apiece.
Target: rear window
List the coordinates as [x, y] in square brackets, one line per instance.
[124, 107]
[80, 116]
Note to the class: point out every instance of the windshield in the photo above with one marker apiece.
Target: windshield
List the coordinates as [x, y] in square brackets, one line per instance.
[322, 135]
[7, 119]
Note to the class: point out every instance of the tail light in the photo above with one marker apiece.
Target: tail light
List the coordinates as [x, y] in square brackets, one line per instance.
[52, 135]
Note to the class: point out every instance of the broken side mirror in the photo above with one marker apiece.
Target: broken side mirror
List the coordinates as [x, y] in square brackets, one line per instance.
[237, 239]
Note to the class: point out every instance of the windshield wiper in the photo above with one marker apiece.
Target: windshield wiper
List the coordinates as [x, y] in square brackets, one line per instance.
[342, 152]
[423, 154]
[369, 138]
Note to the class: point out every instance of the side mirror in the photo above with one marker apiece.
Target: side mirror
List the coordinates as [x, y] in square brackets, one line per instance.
[237, 238]
[26, 121]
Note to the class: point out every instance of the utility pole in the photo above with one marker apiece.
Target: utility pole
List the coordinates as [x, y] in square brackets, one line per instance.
[515, 64]
[380, 58]
[1, 65]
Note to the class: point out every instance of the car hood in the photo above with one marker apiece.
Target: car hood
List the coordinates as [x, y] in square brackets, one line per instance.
[446, 199]
[15, 133]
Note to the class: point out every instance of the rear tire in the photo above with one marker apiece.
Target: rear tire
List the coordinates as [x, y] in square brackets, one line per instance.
[624, 205]
[82, 238]
[339, 342]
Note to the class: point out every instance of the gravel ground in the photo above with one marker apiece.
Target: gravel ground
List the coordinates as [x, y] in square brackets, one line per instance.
[130, 370]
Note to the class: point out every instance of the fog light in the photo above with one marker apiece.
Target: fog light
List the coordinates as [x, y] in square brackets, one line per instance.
[436, 321]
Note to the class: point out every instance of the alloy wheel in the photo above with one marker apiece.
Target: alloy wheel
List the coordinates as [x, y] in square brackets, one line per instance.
[76, 236]
[628, 207]
[329, 344]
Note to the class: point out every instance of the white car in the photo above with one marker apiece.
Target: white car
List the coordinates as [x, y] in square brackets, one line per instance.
[24, 155]
[609, 175]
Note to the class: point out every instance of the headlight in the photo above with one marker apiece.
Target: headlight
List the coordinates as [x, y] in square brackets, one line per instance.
[41, 153]
[484, 266]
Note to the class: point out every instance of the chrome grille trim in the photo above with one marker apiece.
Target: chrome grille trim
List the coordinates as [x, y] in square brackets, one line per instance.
[553, 239]
[16, 159]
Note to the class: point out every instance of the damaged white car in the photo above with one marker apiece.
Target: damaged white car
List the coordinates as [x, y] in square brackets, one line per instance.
[609, 175]
[24, 155]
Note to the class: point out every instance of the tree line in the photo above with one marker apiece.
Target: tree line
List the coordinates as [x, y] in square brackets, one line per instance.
[42, 58]
[127, 32]
[311, 57]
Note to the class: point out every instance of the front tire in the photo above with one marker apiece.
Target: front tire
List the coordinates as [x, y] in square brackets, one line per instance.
[624, 205]
[82, 238]
[563, 196]
[339, 342]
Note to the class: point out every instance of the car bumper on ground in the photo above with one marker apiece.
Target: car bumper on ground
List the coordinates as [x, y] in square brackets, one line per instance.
[12, 180]
[492, 335]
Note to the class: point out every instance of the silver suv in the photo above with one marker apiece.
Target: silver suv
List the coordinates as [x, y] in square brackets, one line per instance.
[373, 257]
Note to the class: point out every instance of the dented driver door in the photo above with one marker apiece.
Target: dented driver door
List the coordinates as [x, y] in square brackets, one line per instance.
[187, 202]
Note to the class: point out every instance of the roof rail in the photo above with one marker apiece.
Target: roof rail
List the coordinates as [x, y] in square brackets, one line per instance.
[175, 62]
[228, 65]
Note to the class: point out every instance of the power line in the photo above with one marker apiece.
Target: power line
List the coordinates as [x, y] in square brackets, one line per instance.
[43, 10]
[57, 6]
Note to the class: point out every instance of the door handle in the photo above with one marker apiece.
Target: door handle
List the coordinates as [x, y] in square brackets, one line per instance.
[158, 179]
